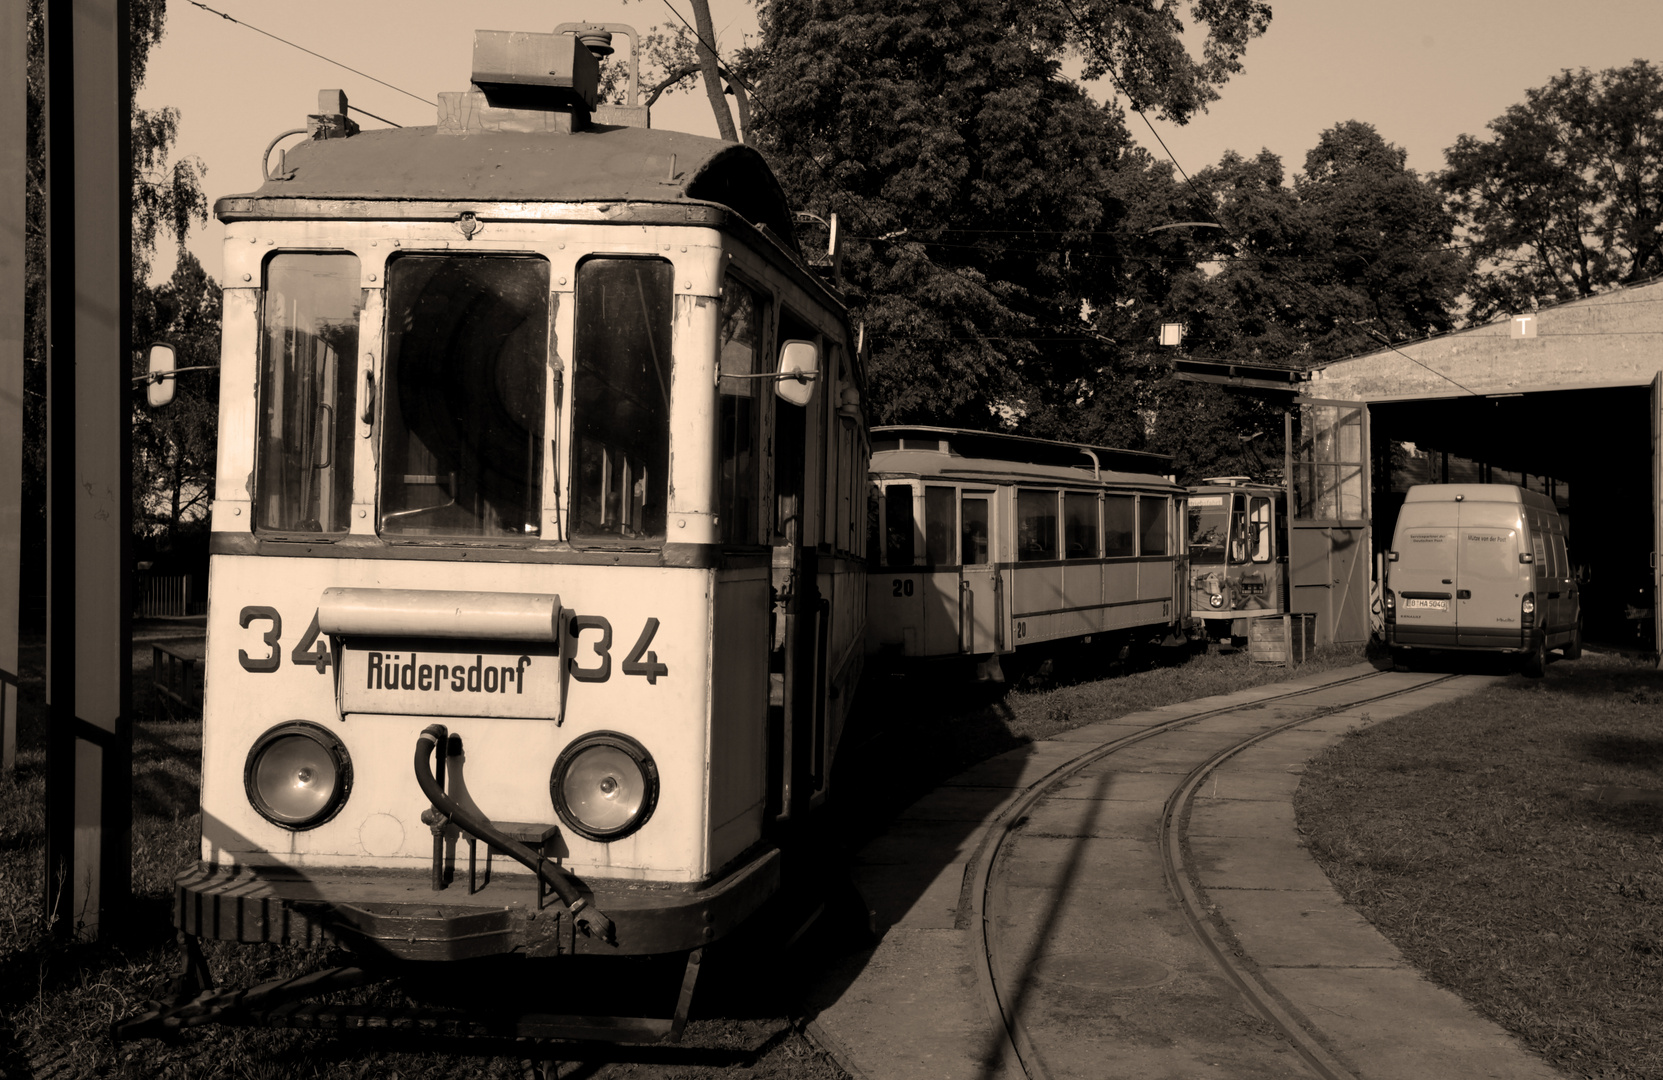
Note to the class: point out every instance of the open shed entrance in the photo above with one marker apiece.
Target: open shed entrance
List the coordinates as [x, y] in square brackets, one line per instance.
[1592, 451]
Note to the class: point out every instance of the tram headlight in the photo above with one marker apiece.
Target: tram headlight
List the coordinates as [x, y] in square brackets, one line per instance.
[604, 786]
[1216, 600]
[297, 775]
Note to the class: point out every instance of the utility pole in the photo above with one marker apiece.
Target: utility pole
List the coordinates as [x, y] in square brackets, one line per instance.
[89, 438]
[14, 178]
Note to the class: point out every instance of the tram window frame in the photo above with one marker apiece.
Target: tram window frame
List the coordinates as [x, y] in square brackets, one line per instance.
[650, 440]
[940, 525]
[1091, 540]
[1261, 529]
[1128, 536]
[1036, 530]
[900, 528]
[742, 404]
[1153, 512]
[282, 501]
[443, 414]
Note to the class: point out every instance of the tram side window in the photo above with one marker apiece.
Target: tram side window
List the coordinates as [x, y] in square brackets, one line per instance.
[898, 534]
[1036, 526]
[1152, 525]
[308, 383]
[621, 398]
[1259, 522]
[973, 531]
[739, 423]
[1119, 526]
[1079, 512]
[939, 522]
[465, 383]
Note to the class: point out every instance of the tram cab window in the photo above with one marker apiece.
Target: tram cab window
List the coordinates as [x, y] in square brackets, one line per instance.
[1036, 525]
[308, 384]
[1238, 530]
[1119, 526]
[899, 543]
[742, 348]
[973, 530]
[1079, 512]
[621, 399]
[1152, 525]
[464, 384]
[1208, 520]
[1260, 546]
[940, 521]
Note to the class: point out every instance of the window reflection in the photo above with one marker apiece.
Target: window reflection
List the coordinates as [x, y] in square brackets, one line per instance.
[308, 364]
[464, 385]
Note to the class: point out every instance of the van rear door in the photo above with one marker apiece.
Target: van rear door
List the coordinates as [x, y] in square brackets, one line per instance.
[1424, 575]
[1487, 581]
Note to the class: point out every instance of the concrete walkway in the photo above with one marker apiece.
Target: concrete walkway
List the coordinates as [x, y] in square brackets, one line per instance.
[913, 1005]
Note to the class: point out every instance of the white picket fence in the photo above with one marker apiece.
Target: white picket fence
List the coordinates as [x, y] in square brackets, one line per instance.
[165, 596]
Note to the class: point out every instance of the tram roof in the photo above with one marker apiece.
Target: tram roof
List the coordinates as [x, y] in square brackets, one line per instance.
[604, 164]
[986, 455]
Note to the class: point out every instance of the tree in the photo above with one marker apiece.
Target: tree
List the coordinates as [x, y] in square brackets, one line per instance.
[984, 192]
[174, 448]
[1567, 198]
[1354, 254]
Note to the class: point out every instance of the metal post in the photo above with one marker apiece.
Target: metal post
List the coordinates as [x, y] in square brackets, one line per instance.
[14, 173]
[89, 636]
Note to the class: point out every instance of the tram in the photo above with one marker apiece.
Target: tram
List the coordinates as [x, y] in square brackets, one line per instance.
[537, 590]
[983, 543]
[1238, 560]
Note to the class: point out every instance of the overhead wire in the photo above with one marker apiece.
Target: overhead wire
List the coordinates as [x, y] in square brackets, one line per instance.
[320, 56]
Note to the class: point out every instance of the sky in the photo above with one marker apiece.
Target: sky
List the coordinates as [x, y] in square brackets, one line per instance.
[1423, 72]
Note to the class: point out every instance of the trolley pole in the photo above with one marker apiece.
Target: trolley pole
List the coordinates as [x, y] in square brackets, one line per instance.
[89, 508]
[14, 173]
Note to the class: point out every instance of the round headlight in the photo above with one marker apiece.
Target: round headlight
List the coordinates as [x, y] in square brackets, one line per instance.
[297, 775]
[1216, 600]
[604, 786]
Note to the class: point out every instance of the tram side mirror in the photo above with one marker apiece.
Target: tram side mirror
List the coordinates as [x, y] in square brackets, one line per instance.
[1391, 556]
[799, 367]
[158, 392]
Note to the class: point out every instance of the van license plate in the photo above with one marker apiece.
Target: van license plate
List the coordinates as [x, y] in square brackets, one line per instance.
[1427, 605]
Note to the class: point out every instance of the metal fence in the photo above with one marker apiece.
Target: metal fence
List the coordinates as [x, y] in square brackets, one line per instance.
[166, 596]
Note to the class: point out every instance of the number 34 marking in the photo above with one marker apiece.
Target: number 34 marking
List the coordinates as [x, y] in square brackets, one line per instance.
[313, 649]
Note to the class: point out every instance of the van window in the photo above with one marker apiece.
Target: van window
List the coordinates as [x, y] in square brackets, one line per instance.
[1539, 550]
[1561, 564]
[1151, 525]
[938, 526]
[1036, 525]
[899, 543]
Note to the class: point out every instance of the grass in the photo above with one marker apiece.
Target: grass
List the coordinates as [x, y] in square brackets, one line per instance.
[57, 997]
[1475, 836]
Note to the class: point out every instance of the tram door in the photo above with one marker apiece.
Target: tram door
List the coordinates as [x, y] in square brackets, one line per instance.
[1328, 510]
[981, 614]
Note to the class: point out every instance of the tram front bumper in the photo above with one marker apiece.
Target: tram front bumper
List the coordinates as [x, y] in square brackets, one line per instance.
[396, 914]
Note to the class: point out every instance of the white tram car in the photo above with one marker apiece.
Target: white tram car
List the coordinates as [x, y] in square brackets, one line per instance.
[983, 543]
[1237, 533]
[543, 464]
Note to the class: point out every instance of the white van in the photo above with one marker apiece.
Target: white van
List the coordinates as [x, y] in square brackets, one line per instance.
[1480, 567]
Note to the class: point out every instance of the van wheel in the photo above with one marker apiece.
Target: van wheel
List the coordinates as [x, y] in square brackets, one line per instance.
[1573, 647]
[1402, 660]
[1536, 664]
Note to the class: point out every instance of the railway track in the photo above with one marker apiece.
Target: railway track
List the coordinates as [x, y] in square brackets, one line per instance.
[1005, 991]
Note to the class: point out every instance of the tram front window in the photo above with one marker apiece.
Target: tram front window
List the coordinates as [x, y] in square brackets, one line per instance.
[621, 399]
[464, 385]
[308, 366]
[1209, 524]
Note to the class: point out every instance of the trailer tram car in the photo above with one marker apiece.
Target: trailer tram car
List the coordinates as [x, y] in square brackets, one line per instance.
[537, 587]
[1237, 555]
[986, 543]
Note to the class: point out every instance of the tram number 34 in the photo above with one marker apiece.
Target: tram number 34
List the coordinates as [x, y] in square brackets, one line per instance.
[312, 650]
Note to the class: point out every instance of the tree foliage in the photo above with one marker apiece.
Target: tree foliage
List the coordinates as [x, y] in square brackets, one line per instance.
[1566, 198]
[995, 209]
